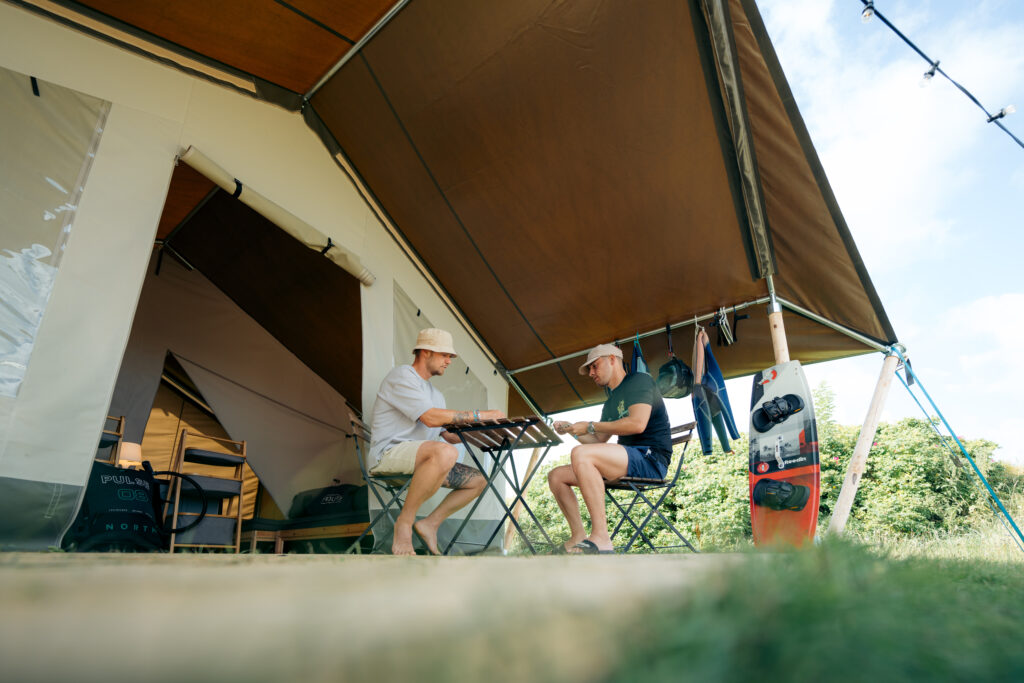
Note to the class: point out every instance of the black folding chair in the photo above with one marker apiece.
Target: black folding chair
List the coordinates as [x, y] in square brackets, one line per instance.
[389, 489]
[641, 487]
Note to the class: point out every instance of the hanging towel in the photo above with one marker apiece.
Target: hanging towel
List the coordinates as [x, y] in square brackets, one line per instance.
[711, 408]
[638, 364]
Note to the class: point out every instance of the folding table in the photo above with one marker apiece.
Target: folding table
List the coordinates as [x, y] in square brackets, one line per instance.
[500, 438]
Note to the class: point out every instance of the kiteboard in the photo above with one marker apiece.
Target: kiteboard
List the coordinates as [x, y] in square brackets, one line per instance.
[784, 468]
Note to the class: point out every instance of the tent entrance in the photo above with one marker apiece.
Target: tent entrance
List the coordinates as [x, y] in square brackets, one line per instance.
[179, 405]
[267, 332]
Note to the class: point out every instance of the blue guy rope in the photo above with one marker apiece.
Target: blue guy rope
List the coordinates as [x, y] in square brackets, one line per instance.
[945, 441]
[1019, 536]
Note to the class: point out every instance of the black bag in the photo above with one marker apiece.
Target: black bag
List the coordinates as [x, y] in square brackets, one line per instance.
[331, 500]
[675, 378]
[123, 511]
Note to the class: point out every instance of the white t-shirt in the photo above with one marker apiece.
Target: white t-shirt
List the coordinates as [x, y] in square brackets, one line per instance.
[403, 396]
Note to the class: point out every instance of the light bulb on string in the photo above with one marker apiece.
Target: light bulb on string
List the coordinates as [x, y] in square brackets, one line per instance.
[929, 74]
[1005, 111]
[869, 11]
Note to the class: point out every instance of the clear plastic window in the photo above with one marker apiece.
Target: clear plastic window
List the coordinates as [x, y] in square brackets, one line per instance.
[48, 139]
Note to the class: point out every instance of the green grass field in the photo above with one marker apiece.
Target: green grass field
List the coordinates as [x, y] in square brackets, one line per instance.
[842, 612]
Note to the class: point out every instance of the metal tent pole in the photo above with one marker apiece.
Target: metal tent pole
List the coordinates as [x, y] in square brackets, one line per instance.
[855, 470]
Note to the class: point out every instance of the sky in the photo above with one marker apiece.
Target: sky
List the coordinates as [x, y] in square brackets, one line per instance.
[932, 194]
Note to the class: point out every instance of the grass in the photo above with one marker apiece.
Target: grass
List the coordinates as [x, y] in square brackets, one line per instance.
[839, 612]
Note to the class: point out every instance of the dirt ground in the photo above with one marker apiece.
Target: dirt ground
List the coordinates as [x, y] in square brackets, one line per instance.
[120, 617]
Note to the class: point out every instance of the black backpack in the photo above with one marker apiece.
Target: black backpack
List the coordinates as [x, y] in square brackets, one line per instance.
[123, 511]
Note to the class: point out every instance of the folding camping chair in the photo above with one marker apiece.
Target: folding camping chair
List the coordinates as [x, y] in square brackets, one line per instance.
[393, 486]
[641, 487]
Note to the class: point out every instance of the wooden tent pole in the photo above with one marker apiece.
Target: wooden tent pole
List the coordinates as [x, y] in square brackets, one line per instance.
[517, 509]
[779, 344]
[855, 470]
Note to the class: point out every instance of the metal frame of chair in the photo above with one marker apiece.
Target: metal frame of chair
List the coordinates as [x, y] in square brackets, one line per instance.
[641, 486]
[394, 485]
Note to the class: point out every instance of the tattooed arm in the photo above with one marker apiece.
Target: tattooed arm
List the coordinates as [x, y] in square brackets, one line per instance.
[438, 417]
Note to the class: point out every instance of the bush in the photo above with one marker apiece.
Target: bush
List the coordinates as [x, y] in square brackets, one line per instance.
[912, 486]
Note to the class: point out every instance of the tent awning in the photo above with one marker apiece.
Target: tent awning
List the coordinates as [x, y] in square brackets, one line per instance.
[566, 173]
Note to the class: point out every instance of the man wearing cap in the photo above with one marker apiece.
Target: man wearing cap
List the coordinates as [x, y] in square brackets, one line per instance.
[406, 427]
[635, 413]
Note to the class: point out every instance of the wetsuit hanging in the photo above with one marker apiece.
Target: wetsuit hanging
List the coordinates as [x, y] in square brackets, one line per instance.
[711, 407]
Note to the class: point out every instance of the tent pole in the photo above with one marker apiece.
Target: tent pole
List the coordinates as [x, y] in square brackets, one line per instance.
[855, 470]
[779, 344]
[642, 335]
[352, 51]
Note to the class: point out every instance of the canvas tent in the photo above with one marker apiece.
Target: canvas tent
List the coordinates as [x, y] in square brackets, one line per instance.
[537, 176]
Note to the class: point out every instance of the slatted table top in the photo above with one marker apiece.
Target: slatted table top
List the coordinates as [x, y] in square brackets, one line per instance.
[490, 435]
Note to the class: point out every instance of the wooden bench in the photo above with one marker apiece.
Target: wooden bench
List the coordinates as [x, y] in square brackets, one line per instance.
[284, 534]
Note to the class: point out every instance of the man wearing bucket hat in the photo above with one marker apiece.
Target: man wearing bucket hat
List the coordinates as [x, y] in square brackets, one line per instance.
[635, 413]
[406, 426]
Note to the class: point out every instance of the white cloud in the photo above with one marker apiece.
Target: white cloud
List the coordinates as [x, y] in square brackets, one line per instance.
[897, 156]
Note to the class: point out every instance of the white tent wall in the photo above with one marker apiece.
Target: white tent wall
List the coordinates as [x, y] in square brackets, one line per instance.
[155, 113]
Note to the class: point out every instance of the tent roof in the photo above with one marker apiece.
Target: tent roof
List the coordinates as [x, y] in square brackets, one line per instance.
[566, 173]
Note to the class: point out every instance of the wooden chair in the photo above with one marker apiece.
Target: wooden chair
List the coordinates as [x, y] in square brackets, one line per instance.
[640, 487]
[220, 528]
[111, 437]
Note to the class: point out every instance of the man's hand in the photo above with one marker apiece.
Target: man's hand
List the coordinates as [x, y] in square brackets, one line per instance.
[561, 426]
[579, 428]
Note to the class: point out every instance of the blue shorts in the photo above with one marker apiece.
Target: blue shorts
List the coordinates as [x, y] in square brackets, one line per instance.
[645, 463]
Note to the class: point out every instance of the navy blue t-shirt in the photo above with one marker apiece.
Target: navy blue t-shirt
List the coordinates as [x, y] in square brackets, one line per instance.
[640, 388]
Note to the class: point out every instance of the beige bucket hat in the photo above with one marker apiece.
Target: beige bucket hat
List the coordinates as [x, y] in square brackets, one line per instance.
[600, 351]
[433, 339]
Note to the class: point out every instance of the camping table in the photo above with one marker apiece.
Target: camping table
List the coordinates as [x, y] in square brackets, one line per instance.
[500, 438]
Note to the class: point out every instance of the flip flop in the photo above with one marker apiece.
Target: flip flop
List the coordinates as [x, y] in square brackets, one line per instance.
[588, 547]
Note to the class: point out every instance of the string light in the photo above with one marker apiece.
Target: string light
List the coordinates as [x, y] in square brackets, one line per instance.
[1008, 109]
[870, 11]
[929, 75]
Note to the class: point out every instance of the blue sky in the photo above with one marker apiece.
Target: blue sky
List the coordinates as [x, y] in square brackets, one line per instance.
[931, 193]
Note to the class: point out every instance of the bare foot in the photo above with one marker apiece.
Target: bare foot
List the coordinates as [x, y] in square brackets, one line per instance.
[401, 544]
[427, 532]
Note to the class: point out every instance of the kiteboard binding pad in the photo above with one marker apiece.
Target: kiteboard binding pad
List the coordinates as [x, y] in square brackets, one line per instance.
[784, 468]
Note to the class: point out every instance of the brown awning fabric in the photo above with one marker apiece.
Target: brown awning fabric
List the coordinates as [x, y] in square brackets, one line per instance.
[285, 47]
[566, 171]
